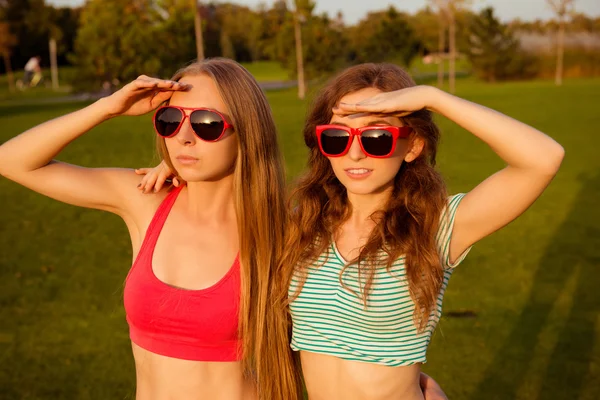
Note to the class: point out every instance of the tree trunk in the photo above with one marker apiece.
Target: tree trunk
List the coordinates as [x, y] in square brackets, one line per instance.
[452, 63]
[9, 73]
[441, 51]
[560, 52]
[53, 64]
[299, 57]
[198, 29]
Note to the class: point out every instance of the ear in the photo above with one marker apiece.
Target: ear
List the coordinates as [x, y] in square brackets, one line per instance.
[416, 148]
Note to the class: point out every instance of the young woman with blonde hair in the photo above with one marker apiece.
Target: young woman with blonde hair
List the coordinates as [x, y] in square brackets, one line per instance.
[197, 297]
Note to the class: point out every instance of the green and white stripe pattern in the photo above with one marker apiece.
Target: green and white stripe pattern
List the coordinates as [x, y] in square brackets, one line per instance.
[329, 319]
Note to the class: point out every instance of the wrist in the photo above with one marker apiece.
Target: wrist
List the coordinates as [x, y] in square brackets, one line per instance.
[433, 98]
[103, 107]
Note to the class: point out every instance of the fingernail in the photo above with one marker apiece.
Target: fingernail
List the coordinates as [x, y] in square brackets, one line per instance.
[155, 190]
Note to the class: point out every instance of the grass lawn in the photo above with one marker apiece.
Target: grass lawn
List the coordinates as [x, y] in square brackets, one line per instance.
[532, 287]
[263, 71]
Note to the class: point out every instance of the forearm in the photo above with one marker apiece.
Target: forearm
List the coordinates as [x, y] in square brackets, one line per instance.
[37, 146]
[518, 144]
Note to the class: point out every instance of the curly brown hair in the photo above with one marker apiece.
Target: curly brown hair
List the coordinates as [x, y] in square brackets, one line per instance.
[409, 221]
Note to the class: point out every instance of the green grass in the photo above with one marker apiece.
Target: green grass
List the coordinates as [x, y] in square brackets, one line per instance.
[418, 67]
[532, 285]
[265, 71]
[43, 90]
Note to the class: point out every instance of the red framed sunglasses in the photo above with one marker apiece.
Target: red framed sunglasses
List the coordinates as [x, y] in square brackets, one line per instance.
[209, 125]
[375, 141]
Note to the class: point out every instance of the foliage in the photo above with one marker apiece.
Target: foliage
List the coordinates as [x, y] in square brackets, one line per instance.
[108, 48]
[494, 51]
[32, 23]
[383, 36]
[324, 45]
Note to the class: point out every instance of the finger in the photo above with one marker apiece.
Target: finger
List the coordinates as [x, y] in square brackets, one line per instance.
[142, 171]
[153, 83]
[160, 97]
[160, 180]
[175, 182]
[149, 183]
[361, 107]
[171, 85]
[143, 84]
[398, 114]
[142, 183]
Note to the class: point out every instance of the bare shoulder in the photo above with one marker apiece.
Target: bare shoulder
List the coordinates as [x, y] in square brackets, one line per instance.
[135, 203]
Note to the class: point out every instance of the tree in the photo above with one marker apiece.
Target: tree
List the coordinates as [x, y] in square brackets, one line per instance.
[271, 26]
[7, 41]
[324, 43]
[32, 23]
[175, 31]
[303, 10]
[117, 40]
[241, 30]
[198, 29]
[385, 36]
[441, 45]
[447, 13]
[425, 24]
[561, 8]
[495, 52]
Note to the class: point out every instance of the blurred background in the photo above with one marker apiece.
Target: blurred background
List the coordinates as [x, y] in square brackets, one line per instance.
[521, 315]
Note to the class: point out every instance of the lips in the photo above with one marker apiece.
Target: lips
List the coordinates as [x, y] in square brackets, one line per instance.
[186, 160]
[358, 173]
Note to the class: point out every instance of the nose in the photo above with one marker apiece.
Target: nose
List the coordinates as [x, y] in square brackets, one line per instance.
[355, 152]
[186, 135]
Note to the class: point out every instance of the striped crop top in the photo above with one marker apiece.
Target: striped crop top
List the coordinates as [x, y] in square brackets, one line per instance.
[329, 319]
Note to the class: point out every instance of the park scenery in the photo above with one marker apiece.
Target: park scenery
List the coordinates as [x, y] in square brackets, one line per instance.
[521, 316]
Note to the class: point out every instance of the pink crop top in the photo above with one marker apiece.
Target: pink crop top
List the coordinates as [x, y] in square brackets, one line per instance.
[199, 325]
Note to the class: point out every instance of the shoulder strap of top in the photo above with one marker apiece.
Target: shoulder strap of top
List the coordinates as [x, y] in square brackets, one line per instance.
[158, 221]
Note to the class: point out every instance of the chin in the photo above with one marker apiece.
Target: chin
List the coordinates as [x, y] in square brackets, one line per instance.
[203, 176]
[362, 188]
[367, 186]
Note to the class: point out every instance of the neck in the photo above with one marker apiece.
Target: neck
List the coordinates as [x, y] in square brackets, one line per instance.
[212, 200]
[364, 205]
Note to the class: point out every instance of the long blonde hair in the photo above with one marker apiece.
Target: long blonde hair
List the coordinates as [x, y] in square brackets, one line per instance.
[259, 189]
[409, 221]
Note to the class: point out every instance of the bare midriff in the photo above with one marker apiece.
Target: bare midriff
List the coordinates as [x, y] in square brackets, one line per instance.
[166, 378]
[332, 378]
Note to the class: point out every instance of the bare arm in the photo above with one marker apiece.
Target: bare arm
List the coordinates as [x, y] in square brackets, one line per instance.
[28, 158]
[532, 158]
[430, 388]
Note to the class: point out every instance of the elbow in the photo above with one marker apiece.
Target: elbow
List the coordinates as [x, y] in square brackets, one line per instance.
[552, 160]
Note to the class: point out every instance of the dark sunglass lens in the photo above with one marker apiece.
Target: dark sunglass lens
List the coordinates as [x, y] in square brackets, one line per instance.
[167, 120]
[377, 142]
[334, 141]
[207, 124]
